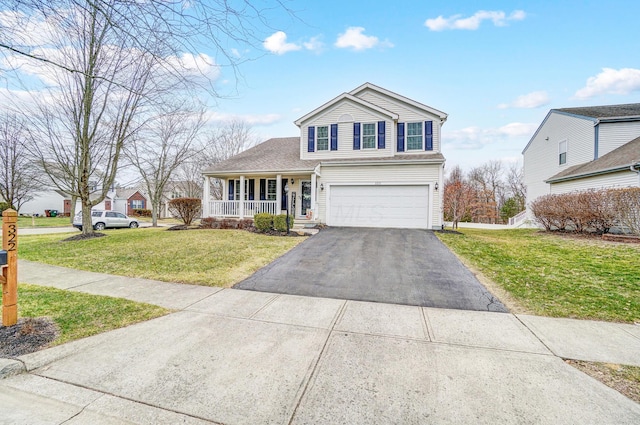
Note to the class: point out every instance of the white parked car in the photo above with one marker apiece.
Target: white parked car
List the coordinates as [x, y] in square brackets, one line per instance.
[106, 219]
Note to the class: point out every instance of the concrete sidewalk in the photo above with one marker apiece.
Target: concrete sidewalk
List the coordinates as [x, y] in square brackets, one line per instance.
[235, 357]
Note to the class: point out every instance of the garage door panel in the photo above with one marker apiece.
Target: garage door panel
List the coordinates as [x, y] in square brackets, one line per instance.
[379, 206]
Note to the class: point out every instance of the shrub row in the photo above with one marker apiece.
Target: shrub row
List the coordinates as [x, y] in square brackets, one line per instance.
[141, 212]
[590, 210]
[225, 223]
[265, 222]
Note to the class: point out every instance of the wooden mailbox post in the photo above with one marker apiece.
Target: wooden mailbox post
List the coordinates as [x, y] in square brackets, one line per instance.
[9, 276]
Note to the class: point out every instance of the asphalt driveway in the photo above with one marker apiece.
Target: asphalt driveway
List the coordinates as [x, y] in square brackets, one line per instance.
[398, 266]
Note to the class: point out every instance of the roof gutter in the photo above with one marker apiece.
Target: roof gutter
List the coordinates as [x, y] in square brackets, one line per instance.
[635, 168]
[593, 173]
[383, 162]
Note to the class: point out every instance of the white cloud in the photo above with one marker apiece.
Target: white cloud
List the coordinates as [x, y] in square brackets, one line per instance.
[314, 44]
[235, 52]
[201, 64]
[614, 81]
[470, 138]
[527, 101]
[457, 22]
[253, 119]
[354, 38]
[277, 43]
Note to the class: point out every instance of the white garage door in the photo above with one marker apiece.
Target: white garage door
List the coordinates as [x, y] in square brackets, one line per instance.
[378, 206]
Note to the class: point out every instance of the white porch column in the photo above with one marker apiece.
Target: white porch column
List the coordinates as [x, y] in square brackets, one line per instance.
[278, 194]
[241, 206]
[223, 194]
[314, 189]
[206, 198]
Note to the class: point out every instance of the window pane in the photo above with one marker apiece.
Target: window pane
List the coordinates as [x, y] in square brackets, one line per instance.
[414, 143]
[368, 129]
[323, 138]
[323, 132]
[271, 190]
[414, 129]
[368, 136]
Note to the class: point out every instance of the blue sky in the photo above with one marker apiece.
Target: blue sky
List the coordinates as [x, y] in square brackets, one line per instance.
[495, 67]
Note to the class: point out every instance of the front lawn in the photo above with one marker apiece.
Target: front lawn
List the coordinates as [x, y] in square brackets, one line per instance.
[31, 222]
[80, 315]
[556, 275]
[202, 257]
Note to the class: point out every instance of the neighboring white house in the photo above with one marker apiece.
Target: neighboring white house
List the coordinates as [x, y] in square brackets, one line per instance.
[45, 200]
[584, 148]
[367, 158]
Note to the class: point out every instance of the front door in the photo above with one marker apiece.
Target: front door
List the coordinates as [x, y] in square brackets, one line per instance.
[306, 197]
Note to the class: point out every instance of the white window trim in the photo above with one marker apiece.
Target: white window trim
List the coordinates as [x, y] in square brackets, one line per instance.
[375, 135]
[236, 190]
[422, 137]
[328, 127]
[566, 148]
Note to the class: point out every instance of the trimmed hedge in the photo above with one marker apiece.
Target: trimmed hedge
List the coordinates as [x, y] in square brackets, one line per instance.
[263, 222]
[590, 211]
[280, 222]
[186, 209]
[141, 212]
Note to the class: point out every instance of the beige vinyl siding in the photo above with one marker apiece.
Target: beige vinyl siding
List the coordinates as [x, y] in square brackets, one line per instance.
[613, 135]
[541, 156]
[383, 174]
[406, 113]
[619, 179]
[345, 133]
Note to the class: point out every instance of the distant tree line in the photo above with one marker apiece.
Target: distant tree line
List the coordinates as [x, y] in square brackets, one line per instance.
[489, 193]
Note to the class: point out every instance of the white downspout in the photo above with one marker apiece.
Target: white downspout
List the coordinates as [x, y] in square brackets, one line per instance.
[636, 169]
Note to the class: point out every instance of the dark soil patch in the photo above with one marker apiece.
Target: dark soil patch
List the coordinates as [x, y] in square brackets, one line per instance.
[83, 237]
[624, 379]
[27, 336]
[451, 232]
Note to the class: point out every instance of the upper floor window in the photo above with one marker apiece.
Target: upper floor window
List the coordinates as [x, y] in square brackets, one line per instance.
[323, 138]
[414, 136]
[368, 136]
[562, 152]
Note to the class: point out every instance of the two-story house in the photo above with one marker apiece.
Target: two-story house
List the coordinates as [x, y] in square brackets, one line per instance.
[584, 148]
[367, 158]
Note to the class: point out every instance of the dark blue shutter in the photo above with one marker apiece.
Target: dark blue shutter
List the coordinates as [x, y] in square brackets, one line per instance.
[252, 189]
[334, 137]
[356, 136]
[231, 190]
[428, 135]
[381, 134]
[311, 143]
[263, 189]
[400, 147]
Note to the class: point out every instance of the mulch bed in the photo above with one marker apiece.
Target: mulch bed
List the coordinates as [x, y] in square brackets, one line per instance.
[620, 238]
[27, 336]
[82, 237]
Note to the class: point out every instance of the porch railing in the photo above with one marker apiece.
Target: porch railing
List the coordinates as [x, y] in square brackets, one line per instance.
[232, 208]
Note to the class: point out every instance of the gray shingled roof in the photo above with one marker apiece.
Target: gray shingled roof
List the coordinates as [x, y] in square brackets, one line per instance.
[606, 111]
[283, 155]
[616, 160]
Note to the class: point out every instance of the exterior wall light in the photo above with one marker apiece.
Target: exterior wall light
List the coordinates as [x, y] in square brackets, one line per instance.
[321, 186]
[436, 186]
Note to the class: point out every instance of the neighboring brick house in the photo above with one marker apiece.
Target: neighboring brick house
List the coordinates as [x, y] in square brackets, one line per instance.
[128, 200]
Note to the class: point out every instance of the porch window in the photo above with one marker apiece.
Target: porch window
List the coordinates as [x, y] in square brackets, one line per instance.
[237, 190]
[323, 138]
[414, 136]
[271, 190]
[368, 136]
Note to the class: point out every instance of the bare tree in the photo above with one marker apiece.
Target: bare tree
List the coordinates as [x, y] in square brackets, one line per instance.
[160, 147]
[489, 188]
[102, 63]
[221, 143]
[19, 177]
[458, 196]
[515, 183]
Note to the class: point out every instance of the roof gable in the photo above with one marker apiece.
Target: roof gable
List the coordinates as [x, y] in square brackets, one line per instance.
[346, 97]
[368, 86]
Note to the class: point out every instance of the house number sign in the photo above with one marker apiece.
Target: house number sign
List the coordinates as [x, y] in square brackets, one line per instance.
[11, 237]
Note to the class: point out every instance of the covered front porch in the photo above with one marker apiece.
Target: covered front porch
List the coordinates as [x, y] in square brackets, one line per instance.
[245, 195]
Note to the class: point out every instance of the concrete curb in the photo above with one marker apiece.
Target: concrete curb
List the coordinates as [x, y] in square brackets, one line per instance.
[9, 367]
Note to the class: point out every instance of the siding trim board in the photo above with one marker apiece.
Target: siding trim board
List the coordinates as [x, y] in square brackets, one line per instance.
[596, 129]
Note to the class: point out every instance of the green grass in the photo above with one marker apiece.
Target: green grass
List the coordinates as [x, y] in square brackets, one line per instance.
[203, 257]
[31, 222]
[80, 315]
[558, 276]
